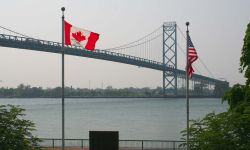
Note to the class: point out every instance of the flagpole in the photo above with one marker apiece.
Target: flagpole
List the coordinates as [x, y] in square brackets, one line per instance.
[187, 89]
[63, 9]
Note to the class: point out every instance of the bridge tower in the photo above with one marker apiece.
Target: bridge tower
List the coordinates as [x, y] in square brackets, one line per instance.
[169, 58]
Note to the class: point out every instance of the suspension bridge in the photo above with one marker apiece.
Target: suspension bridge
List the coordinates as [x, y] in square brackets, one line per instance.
[157, 50]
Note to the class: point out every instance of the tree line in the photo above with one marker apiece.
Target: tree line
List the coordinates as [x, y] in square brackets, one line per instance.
[26, 91]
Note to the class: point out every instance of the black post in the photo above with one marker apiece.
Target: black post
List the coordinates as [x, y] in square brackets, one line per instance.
[63, 9]
[53, 143]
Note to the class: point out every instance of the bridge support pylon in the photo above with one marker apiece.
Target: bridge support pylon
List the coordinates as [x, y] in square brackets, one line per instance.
[169, 59]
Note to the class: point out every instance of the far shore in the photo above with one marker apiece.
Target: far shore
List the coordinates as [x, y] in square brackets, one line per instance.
[179, 96]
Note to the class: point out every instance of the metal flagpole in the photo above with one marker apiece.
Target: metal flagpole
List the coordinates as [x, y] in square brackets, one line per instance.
[63, 9]
[187, 89]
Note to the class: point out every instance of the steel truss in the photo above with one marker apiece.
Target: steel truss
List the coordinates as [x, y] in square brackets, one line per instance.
[169, 58]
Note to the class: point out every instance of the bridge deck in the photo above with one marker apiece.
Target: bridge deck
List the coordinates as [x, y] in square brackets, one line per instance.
[55, 47]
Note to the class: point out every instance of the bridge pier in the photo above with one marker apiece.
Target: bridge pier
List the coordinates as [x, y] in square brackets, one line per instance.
[169, 59]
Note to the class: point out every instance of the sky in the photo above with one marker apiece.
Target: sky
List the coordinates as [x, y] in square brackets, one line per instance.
[217, 29]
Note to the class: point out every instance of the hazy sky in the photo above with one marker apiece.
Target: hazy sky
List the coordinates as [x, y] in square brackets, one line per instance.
[217, 30]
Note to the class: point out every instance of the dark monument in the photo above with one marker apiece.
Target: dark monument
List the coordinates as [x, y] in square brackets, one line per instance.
[103, 140]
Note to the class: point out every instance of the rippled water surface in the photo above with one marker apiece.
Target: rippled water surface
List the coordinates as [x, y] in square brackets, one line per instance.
[134, 118]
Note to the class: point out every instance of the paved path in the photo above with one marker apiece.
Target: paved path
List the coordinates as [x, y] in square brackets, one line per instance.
[68, 148]
[86, 149]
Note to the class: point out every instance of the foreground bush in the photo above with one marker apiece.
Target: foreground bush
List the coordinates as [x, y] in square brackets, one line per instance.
[15, 132]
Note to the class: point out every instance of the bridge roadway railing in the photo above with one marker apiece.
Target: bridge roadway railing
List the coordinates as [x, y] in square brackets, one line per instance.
[123, 144]
[56, 47]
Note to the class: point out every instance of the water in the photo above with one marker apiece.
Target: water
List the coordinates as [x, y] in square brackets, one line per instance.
[134, 118]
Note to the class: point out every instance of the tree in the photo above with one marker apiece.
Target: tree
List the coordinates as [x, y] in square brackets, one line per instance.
[228, 130]
[207, 133]
[245, 56]
[224, 131]
[15, 132]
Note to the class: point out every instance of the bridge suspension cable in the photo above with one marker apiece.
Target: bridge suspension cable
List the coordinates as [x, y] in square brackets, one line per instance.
[17, 33]
[148, 47]
[131, 43]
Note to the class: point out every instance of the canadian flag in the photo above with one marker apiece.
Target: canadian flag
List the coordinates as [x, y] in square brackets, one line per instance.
[79, 37]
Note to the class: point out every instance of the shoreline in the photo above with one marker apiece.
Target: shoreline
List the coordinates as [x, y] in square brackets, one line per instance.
[120, 97]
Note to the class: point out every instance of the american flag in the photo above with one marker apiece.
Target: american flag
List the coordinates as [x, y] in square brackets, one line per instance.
[192, 56]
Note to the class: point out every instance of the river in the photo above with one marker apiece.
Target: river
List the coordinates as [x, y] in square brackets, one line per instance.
[134, 118]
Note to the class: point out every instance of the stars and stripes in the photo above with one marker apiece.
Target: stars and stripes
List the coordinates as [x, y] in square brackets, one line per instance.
[192, 56]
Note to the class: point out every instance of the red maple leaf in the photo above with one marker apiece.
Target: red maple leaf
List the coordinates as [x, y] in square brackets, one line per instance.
[78, 36]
